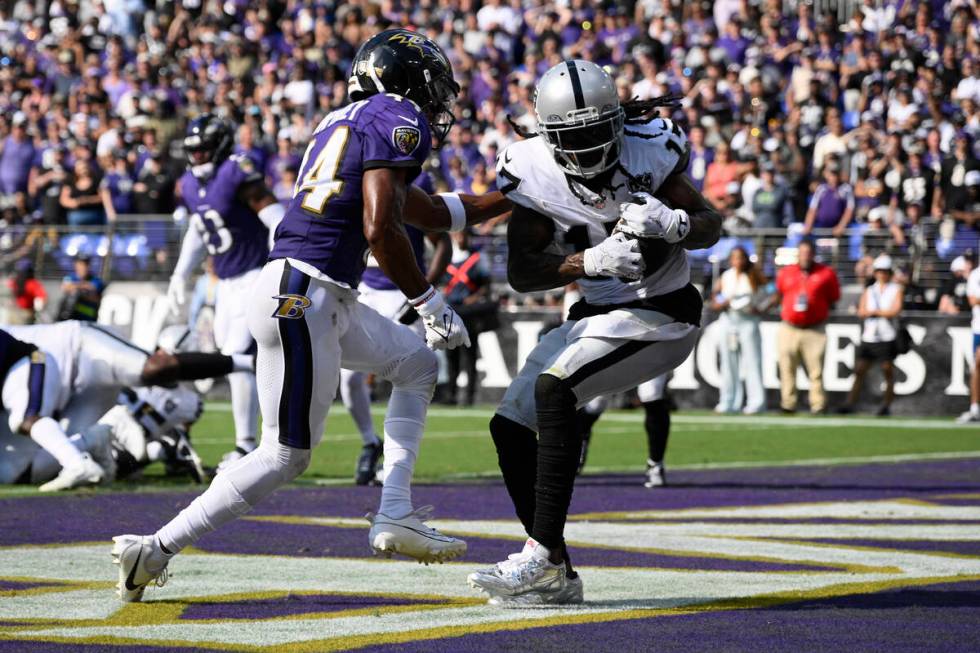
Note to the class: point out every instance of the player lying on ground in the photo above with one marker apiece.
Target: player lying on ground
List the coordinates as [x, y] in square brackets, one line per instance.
[656, 408]
[28, 399]
[84, 367]
[152, 424]
[583, 175]
[350, 199]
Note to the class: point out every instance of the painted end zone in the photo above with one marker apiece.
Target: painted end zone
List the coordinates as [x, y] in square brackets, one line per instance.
[865, 557]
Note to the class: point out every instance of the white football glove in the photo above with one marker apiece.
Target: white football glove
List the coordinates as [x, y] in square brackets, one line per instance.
[616, 256]
[444, 328]
[176, 295]
[647, 217]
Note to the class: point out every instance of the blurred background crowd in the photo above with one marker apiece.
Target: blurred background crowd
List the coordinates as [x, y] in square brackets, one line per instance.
[852, 123]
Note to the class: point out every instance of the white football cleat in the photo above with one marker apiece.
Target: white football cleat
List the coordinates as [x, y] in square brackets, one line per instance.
[968, 417]
[514, 558]
[528, 579]
[85, 472]
[656, 475]
[571, 593]
[410, 537]
[139, 559]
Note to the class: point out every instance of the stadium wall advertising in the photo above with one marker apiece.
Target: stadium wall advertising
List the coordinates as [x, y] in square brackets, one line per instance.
[933, 379]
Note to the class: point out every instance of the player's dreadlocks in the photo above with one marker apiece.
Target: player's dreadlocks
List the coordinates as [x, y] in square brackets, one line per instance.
[636, 110]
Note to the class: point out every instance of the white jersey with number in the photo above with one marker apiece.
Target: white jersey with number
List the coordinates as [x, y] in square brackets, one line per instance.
[528, 175]
[158, 410]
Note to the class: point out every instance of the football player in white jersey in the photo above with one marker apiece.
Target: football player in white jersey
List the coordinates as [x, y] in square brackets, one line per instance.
[151, 424]
[29, 396]
[94, 363]
[593, 167]
[86, 366]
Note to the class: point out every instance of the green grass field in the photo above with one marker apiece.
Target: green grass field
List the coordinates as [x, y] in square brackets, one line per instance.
[457, 443]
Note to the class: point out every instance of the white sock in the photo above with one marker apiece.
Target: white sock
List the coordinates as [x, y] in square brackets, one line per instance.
[357, 399]
[49, 436]
[404, 423]
[244, 408]
[234, 492]
[975, 409]
[243, 362]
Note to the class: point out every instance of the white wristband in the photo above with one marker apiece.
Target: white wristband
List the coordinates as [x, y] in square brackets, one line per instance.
[423, 298]
[457, 213]
[589, 263]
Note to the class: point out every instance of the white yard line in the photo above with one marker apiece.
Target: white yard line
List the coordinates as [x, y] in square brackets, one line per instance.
[751, 464]
[720, 421]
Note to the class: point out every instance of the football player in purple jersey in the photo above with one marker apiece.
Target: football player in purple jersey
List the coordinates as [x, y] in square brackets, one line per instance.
[350, 199]
[382, 294]
[231, 215]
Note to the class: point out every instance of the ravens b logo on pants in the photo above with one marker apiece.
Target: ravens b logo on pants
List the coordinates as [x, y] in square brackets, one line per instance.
[291, 307]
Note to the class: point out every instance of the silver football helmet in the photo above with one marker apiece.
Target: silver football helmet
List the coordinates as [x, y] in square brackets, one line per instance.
[579, 117]
[175, 338]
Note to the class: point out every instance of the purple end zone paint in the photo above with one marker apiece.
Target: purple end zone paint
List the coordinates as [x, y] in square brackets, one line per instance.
[939, 618]
[40, 520]
[20, 585]
[23, 646]
[272, 538]
[929, 618]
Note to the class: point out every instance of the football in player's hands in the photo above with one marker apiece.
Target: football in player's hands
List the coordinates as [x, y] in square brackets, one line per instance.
[644, 216]
[617, 256]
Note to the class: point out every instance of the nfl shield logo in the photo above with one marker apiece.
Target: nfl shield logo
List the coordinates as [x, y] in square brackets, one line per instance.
[406, 139]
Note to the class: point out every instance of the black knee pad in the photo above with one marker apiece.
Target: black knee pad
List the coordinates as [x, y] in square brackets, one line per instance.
[510, 436]
[552, 393]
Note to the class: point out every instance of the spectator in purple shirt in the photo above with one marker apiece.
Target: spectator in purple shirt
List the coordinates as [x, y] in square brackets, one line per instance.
[701, 157]
[118, 183]
[460, 146]
[16, 158]
[284, 158]
[733, 43]
[832, 204]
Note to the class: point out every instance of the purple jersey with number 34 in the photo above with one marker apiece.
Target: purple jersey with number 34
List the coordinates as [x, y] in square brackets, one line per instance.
[235, 237]
[323, 225]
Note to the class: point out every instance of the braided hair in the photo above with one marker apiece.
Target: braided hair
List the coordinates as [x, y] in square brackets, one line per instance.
[636, 110]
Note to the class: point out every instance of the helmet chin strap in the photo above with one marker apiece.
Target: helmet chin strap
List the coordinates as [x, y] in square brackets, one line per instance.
[203, 171]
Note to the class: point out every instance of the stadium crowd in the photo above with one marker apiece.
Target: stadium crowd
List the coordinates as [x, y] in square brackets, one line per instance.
[834, 123]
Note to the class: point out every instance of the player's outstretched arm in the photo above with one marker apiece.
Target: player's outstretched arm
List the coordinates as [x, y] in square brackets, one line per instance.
[452, 211]
[678, 192]
[384, 191]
